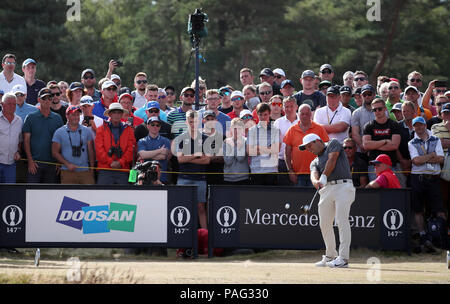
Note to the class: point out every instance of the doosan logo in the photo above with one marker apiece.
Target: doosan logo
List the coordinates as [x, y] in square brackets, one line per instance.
[96, 219]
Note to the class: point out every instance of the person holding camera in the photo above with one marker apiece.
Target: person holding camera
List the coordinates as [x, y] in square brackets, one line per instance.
[114, 145]
[88, 119]
[149, 173]
[73, 147]
[155, 147]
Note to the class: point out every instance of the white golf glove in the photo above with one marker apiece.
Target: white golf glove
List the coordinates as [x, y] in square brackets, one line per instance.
[323, 180]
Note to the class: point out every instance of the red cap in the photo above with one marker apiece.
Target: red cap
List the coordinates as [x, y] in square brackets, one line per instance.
[382, 159]
[72, 108]
[394, 79]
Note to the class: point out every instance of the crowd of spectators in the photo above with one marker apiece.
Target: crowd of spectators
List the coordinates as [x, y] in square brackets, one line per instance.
[95, 130]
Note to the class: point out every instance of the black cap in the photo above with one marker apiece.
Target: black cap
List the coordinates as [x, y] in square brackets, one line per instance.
[209, 113]
[333, 90]
[323, 83]
[367, 87]
[357, 91]
[346, 89]
[44, 92]
[266, 72]
[170, 87]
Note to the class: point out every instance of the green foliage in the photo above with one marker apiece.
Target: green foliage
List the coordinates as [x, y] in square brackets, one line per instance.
[151, 36]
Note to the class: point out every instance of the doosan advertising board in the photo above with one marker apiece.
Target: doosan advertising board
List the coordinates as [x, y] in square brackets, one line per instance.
[96, 216]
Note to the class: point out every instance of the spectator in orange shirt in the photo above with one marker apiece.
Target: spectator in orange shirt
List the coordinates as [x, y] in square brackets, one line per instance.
[297, 161]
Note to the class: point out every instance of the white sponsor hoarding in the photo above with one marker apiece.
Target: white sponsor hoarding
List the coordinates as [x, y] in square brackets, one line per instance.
[109, 216]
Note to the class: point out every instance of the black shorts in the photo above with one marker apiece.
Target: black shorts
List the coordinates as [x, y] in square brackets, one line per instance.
[426, 192]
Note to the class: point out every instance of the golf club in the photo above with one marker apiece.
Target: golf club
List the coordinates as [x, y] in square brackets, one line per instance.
[307, 208]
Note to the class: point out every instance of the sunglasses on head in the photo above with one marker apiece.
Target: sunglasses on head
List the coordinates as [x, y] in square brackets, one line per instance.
[377, 109]
[360, 78]
[141, 81]
[265, 93]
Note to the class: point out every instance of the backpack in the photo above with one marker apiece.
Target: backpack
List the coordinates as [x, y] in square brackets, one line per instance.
[437, 229]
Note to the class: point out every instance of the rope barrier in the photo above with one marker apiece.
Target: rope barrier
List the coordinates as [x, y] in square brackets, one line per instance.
[211, 173]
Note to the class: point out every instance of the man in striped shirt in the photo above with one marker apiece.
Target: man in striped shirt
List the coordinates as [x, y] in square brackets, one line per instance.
[177, 117]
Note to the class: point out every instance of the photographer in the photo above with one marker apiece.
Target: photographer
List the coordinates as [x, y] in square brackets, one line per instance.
[114, 145]
[155, 147]
[149, 173]
[88, 119]
[72, 146]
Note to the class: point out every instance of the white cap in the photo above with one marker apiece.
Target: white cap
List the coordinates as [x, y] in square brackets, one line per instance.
[19, 88]
[245, 112]
[115, 76]
[107, 84]
[411, 87]
[86, 100]
[237, 93]
[307, 139]
[279, 72]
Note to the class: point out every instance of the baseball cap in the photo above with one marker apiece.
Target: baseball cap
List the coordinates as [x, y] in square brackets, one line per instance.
[446, 107]
[86, 100]
[87, 71]
[75, 86]
[153, 105]
[266, 72]
[153, 118]
[323, 83]
[237, 93]
[397, 107]
[419, 119]
[2, 92]
[345, 89]
[308, 139]
[245, 112]
[209, 113]
[107, 84]
[357, 91]
[367, 87]
[326, 66]
[279, 72]
[44, 92]
[115, 76]
[187, 89]
[73, 108]
[333, 90]
[447, 93]
[125, 95]
[308, 73]
[19, 88]
[170, 87]
[412, 88]
[28, 61]
[382, 159]
[285, 82]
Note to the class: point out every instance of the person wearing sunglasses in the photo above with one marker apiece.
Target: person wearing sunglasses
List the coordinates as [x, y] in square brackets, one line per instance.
[279, 76]
[8, 79]
[441, 100]
[393, 97]
[225, 99]
[362, 115]
[412, 94]
[326, 72]
[276, 107]
[38, 130]
[56, 105]
[140, 83]
[360, 78]
[358, 166]
[346, 96]
[177, 117]
[162, 100]
[435, 89]
[33, 84]
[170, 93]
[237, 101]
[89, 81]
[382, 135]
[109, 93]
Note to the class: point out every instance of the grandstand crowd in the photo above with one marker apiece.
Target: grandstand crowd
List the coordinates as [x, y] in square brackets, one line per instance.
[94, 130]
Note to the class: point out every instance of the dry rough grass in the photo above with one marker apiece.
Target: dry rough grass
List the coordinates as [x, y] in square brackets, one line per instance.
[271, 267]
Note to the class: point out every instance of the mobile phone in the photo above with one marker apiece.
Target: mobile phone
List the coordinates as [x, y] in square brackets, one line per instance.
[118, 63]
[440, 84]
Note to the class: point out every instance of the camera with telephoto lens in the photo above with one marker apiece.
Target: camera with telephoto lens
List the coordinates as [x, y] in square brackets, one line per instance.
[87, 119]
[196, 24]
[115, 150]
[148, 171]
